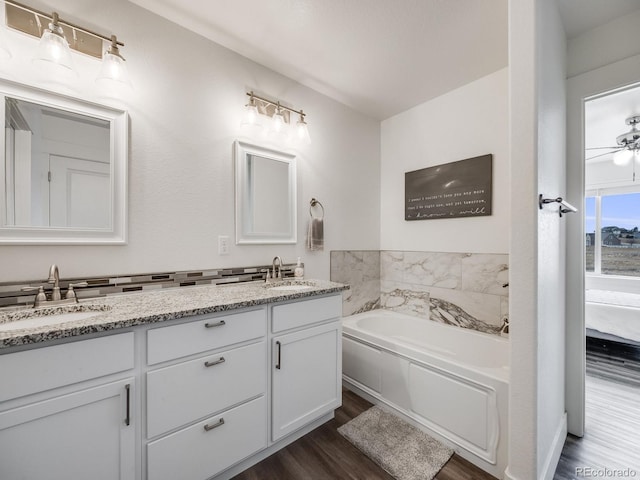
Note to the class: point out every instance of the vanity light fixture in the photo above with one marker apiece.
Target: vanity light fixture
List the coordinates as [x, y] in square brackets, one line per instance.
[302, 130]
[53, 45]
[61, 36]
[277, 121]
[113, 65]
[251, 118]
[279, 118]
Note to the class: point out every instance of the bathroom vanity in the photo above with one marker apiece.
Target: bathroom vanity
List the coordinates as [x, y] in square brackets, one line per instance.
[194, 383]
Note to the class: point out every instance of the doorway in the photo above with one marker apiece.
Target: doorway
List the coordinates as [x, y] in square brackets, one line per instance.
[612, 216]
[609, 263]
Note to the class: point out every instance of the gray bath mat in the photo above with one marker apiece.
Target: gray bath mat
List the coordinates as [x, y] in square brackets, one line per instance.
[399, 448]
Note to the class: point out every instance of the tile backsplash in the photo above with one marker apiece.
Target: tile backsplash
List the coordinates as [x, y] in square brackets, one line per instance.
[465, 289]
[101, 286]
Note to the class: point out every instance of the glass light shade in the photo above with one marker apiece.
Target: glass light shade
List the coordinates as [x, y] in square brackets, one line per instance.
[55, 49]
[277, 123]
[114, 68]
[250, 117]
[622, 157]
[302, 132]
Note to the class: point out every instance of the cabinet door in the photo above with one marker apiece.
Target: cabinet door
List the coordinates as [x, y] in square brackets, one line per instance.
[85, 434]
[306, 377]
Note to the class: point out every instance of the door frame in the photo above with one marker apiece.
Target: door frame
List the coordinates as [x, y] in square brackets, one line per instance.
[614, 76]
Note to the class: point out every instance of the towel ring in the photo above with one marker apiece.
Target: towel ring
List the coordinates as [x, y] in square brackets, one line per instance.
[315, 203]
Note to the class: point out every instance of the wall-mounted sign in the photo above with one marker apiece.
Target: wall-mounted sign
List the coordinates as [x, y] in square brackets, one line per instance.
[451, 190]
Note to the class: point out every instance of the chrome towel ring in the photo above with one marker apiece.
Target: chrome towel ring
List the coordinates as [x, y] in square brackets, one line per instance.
[315, 203]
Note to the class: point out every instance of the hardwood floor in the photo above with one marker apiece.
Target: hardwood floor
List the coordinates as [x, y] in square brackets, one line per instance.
[612, 439]
[324, 454]
[612, 428]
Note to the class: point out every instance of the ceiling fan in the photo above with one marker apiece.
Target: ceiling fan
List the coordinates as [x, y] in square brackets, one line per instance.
[628, 144]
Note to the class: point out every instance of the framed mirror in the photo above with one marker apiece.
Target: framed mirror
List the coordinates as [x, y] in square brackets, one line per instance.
[265, 195]
[63, 178]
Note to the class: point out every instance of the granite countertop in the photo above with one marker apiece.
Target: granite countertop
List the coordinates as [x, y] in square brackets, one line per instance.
[128, 310]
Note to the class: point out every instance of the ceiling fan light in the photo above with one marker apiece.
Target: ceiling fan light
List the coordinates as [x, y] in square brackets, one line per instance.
[622, 157]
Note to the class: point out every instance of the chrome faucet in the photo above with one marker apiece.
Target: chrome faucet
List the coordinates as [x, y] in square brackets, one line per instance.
[278, 275]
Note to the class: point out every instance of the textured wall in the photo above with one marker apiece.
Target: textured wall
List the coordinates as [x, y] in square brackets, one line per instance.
[185, 112]
[470, 121]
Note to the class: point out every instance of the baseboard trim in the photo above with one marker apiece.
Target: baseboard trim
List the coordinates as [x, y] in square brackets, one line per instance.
[551, 462]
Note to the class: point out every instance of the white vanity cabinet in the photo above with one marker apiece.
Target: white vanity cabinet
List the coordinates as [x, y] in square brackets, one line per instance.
[306, 358]
[208, 412]
[198, 398]
[59, 421]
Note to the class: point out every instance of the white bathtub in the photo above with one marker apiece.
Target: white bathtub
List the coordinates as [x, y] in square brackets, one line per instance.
[449, 381]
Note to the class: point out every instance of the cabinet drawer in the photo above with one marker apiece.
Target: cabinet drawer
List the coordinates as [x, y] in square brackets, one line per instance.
[182, 393]
[307, 312]
[41, 369]
[197, 454]
[207, 333]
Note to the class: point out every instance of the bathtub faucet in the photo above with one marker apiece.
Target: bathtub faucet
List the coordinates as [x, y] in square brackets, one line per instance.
[504, 330]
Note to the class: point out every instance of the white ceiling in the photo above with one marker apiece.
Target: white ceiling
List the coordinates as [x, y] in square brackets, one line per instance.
[380, 57]
[578, 16]
[605, 119]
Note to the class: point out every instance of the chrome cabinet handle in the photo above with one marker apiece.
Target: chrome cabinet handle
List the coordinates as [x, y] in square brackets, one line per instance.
[211, 325]
[208, 428]
[279, 345]
[127, 420]
[216, 362]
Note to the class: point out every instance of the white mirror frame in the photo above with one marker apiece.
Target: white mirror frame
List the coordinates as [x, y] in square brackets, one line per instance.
[243, 203]
[116, 234]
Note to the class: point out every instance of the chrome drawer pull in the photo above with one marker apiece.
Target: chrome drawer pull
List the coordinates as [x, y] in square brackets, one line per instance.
[217, 362]
[211, 325]
[215, 425]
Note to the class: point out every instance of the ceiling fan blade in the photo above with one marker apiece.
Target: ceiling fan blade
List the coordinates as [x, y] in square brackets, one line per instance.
[602, 148]
[601, 155]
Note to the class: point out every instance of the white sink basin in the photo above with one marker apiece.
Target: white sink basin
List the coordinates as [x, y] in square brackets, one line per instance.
[47, 320]
[290, 288]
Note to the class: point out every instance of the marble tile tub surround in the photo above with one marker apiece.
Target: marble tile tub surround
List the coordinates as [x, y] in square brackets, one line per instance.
[102, 286]
[462, 289]
[361, 270]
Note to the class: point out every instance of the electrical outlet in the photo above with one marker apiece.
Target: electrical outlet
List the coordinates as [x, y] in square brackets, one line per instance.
[223, 245]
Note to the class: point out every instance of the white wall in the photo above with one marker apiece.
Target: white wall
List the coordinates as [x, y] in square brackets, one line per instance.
[537, 423]
[551, 137]
[467, 122]
[523, 285]
[184, 116]
[608, 43]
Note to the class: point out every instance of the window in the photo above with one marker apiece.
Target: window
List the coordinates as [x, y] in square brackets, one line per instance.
[590, 231]
[612, 239]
